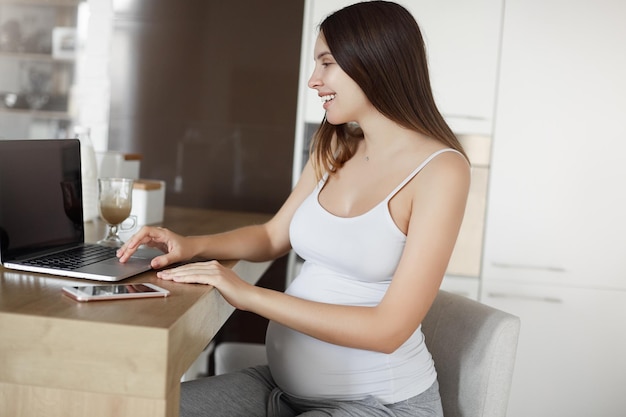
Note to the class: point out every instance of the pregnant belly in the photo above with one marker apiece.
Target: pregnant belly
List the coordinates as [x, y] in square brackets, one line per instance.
[310, 368]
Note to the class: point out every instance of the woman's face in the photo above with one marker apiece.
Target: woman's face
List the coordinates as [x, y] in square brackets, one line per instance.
[342, 98]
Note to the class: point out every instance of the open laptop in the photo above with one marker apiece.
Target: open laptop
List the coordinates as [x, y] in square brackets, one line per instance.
[41, 214]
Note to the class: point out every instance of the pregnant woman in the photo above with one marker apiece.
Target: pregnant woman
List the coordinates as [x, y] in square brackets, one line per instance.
[375, 215]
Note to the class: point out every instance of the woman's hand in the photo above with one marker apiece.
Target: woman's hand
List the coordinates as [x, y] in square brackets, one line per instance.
[235, 290]
[173, 245]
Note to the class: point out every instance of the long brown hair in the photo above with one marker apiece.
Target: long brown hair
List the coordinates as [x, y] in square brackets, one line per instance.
[380, 46]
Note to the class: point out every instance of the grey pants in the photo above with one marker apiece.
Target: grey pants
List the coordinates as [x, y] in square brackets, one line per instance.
[252, 392]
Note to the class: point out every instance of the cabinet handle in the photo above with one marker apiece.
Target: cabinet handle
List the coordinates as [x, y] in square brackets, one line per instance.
[536, 267]
[545, 299]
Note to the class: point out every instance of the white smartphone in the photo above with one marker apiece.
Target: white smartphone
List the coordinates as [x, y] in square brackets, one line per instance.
[115, 291]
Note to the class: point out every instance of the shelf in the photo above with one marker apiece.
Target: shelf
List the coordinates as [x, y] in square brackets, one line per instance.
[39, 114]
[26, 56]
[37, 54]
[52, 3]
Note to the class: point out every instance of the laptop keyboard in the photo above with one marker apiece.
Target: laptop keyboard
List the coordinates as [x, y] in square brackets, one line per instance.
[74, 258]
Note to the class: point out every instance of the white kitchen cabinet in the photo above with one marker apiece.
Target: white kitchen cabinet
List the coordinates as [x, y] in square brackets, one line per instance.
[462, 285]
[555, 212]
[462, 39]
[555, 237]
[570, 357]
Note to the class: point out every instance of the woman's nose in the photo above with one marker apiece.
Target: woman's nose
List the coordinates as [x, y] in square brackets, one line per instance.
[314, 80]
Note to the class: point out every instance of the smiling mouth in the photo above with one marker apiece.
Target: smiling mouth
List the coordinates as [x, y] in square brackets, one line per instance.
[326, 99]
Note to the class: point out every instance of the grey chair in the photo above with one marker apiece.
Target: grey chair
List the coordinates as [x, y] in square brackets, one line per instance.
[473, 346]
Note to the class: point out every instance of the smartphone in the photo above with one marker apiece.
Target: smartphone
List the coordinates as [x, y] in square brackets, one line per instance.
[114, 292]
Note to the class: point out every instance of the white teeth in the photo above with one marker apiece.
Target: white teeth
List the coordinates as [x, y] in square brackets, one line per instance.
[327, 98]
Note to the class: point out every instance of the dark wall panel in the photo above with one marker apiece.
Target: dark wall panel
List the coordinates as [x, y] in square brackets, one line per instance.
[206, 91]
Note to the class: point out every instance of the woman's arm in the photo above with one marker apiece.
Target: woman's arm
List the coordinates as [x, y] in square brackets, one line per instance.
[437, 207]
[254, 243]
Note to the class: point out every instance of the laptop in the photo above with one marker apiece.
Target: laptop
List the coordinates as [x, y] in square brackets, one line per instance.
[41, 215]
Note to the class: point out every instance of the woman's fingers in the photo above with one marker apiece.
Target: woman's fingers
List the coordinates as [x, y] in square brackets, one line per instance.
[199, 272]
[155, 237]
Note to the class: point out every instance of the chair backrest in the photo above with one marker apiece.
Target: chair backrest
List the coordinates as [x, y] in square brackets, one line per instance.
[474, 347]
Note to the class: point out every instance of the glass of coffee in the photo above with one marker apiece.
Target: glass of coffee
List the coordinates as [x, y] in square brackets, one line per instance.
[114, 203]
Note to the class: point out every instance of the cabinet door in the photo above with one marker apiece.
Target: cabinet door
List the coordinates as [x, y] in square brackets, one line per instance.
[462, 39]
[460, 285]
[556, 200]
[570, 358]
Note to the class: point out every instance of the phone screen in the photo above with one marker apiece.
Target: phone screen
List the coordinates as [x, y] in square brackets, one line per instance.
[115, 291]
[98, 290]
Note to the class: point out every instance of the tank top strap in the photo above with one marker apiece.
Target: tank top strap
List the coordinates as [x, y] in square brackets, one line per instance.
[417, 170]
[321, 183]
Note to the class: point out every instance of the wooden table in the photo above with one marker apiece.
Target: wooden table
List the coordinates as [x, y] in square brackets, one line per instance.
[62, 358]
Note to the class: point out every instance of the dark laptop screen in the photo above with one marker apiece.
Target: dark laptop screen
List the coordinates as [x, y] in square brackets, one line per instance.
[40, 196]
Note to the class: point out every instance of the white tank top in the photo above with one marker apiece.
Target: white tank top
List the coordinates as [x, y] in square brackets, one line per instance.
[348, 261]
